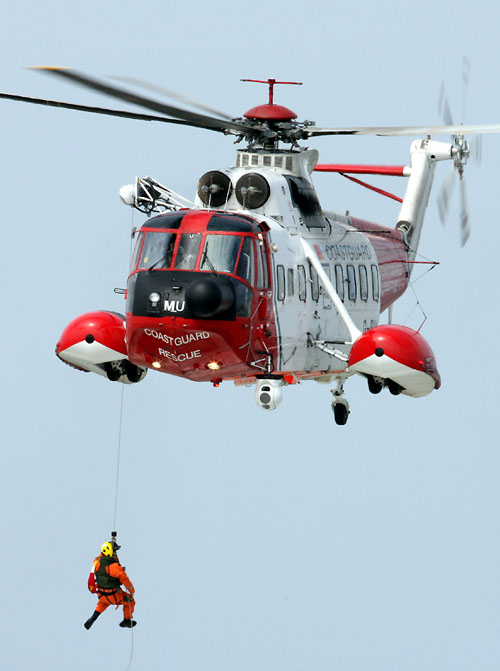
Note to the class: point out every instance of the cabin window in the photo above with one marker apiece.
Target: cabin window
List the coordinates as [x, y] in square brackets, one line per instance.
[351, 283]
[327, 301]
[290, 282]
[314, 283]
[363, 283]
[375, 283]
[187, 251]
[339, 281]
[280, 276]
[302, 283]
[246, 262]
[157, 250]
[220, 253]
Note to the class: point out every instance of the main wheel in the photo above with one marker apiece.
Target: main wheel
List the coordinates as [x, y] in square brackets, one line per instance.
[374, 385]
[394, 387]
[133, 372]
[341, 413]
[113, 370]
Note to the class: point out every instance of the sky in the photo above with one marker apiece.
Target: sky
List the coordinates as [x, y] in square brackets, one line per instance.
[256, 540]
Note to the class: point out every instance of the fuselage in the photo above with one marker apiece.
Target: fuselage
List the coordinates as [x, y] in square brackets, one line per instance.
[225, 291]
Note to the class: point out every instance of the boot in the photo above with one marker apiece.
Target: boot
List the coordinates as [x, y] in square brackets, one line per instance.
[127, 622]
[91, 620]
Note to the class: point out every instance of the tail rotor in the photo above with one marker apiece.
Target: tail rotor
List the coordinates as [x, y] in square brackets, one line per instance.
[461, 154]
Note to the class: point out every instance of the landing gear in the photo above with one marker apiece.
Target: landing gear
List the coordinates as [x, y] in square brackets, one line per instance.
[375, 385]
[340, 406]
[134, 373]
[394, 387]
[114, 370]
[340, 411]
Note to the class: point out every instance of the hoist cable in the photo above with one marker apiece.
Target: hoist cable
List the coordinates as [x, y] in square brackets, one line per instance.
[121, 411]
[118, 464]
[131, 649]
[118, 456]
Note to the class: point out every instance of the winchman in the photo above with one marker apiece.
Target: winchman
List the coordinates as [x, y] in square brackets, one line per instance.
[109, 575]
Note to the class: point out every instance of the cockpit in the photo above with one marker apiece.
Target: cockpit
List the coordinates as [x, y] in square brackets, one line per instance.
[227, 246]
[175, 249]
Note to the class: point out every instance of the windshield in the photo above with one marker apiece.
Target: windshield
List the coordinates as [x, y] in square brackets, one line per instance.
[187, 252]
[220, 253]
[157, 250]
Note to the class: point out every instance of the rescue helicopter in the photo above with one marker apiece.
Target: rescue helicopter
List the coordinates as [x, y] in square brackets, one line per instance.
[253, 281]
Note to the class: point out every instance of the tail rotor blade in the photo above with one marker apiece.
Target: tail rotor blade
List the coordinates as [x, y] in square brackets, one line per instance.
[444, 107]
[478, 149]
[464, 215]
[444, 196]
[465, 84]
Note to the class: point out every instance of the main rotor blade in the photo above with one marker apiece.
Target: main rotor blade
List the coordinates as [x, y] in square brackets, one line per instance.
[94, 110]
[466, 129]
[172, 94]
[193, 119]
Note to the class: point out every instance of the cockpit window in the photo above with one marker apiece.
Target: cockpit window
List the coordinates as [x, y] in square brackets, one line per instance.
[157, 250]
[187, 252]
[245, 268]
[220, 253]
[135, 253]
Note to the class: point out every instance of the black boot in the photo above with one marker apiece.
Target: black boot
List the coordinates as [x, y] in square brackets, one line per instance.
[127, 622]
[91, 620]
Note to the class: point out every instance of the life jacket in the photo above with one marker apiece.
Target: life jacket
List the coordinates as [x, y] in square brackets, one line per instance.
[106, 584]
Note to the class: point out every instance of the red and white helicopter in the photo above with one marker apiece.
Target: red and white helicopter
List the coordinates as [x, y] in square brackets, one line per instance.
[253, 281]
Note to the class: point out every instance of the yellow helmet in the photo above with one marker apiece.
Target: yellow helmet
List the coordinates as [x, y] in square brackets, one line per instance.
[107, 550]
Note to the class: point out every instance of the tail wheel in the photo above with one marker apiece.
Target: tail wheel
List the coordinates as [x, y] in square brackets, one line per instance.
[341, 413]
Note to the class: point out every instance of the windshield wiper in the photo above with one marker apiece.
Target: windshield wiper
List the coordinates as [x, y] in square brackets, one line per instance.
[209, 263]
[163, 258]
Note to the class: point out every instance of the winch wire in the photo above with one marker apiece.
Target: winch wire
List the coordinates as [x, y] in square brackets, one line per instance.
[131, 649]
[118, 455]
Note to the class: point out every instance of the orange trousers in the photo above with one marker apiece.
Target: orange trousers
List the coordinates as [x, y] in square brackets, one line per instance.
[119, 597]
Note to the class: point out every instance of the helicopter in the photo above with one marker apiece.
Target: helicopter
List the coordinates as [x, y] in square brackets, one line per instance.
[253, 281]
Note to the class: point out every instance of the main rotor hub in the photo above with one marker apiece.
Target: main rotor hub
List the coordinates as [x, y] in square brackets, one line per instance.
[270, 111]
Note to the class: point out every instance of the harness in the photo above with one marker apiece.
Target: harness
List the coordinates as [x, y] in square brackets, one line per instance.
[106, 584]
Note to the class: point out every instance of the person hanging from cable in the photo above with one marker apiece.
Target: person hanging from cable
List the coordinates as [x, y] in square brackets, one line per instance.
[109, 574]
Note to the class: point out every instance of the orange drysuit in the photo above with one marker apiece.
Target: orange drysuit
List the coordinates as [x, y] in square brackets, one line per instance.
[110, 574]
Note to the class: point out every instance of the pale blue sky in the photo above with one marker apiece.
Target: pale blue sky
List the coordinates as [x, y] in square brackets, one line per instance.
[272, 541]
